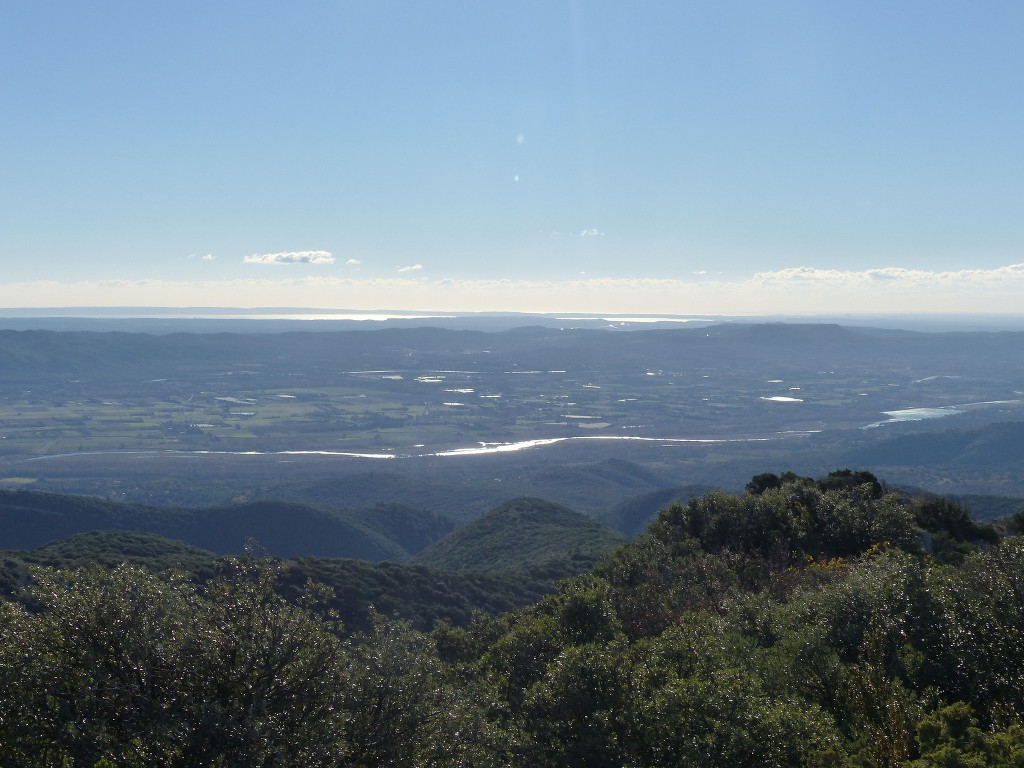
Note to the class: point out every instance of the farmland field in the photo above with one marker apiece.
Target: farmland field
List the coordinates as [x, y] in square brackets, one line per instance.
[705, 399]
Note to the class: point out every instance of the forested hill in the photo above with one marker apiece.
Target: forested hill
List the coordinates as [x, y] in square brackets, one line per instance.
[31, 519]
[827, 622]
[421, 595]
[509, 558]
[525, 534]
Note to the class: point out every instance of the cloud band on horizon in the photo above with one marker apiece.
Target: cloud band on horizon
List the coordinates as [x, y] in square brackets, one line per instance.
[791, 291]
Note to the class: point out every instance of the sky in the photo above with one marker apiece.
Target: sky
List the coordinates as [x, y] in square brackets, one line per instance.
[539, 155]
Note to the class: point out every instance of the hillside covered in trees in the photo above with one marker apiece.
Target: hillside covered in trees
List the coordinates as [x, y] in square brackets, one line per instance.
[828, 622]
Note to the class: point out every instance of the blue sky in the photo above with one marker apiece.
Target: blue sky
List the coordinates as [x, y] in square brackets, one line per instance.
[711, 157]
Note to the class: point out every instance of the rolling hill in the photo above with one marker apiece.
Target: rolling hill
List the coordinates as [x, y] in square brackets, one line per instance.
[30, 519]
[526, 534]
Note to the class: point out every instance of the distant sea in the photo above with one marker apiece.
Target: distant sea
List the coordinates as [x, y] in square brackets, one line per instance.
[277, 319]
[273, 319]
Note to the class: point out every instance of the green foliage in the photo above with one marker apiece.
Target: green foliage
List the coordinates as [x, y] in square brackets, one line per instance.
[423, 596]
[420, 595]
[844, 514]
[847, 479]
[1013, 524]
[941, 515]
[799, 624]
[146, 671]
[139, 670]
[850, 521]
[758, 484]
[655, 581]
[533, 536]
[113, 547]
[752, 524]
[983, 630]
[951, 527]
[700, 703]
[577, 713]
[950, 738]
[405, 707]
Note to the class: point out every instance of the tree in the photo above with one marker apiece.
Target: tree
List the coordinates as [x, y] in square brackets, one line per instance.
[760, 483]
[982, 642]
[143, 670]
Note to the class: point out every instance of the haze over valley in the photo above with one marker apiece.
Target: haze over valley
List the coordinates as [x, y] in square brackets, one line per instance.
[141, 417]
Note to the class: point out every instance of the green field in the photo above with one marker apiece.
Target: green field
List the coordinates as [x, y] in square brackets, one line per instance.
[411, 410]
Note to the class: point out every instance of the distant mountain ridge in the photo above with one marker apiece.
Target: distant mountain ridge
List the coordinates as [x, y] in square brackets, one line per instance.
[989, 445]
[585, 486]
[28, 355]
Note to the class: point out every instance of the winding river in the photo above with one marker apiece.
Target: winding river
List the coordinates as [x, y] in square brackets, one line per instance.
[482, 448]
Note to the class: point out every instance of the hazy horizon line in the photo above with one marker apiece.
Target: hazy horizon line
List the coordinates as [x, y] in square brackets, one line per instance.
[124, 309]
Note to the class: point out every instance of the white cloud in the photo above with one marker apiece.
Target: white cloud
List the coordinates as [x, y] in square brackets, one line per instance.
[792, 291]
[209, 257]
[353, 262]
[411, 268]
[591, 233]
[291, 257]
[895, 277]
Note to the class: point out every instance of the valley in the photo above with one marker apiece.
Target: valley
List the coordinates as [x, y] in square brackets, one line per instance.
[213, 418]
